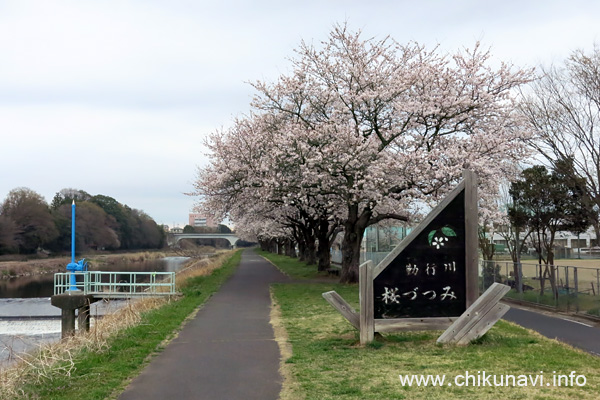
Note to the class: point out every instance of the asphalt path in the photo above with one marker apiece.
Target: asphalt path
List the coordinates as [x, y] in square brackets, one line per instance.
[578, 333]
[227, 351]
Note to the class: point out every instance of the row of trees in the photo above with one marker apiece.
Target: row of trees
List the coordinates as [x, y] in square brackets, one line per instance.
[562, 107]
[28, 223]
[362, 131]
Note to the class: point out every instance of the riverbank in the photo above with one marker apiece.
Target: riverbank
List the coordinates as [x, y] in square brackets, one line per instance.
[94, 365]
[17, 269]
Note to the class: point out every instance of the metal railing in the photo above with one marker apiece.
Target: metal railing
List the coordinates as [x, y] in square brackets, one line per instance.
[117, 284]
[567, 288]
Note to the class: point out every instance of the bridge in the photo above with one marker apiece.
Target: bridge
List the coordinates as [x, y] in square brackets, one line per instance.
[174, 238]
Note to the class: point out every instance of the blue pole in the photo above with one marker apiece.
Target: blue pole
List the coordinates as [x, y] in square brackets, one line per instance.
[73, 264]
[73, 232]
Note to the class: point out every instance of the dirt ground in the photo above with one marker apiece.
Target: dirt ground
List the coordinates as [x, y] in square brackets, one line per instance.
[573, 262]
[588, 272]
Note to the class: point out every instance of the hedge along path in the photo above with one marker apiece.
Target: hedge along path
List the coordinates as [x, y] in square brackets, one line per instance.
[101, 372]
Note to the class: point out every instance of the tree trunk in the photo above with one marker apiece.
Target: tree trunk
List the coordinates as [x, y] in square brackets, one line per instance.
[354, 229]
[538, 249]
[310, 256]
[553, 282]
[290, 248]
[323, 256]
[306, 246]
[301, 250]
[350, 257]
[264, 246]
[323, 250]
[516, 274]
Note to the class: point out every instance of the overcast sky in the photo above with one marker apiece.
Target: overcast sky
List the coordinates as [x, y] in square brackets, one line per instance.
[116, 97]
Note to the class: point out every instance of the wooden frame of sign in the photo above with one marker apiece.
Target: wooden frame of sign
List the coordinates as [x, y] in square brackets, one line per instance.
[429, 279]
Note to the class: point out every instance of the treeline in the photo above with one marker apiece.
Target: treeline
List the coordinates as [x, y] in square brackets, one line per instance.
[29, 224]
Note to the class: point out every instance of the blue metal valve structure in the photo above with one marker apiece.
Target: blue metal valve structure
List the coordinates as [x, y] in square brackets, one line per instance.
[81, 265]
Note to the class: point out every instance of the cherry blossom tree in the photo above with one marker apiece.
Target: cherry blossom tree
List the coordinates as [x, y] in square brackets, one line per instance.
[385, 126]
[362, 131]
[256, 184]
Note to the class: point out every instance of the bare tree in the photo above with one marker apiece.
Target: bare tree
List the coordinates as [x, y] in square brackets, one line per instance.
[8, 235]
[564, 111]
[31, 218]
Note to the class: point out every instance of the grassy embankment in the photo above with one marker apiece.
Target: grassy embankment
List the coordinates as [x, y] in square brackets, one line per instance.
[100, 369]
[327, 361]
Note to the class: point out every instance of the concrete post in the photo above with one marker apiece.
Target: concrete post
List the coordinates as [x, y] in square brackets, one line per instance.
[83, 318]
[67, 324]
[69, 302]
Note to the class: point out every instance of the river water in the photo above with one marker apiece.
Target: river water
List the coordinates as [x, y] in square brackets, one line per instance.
[27, 319]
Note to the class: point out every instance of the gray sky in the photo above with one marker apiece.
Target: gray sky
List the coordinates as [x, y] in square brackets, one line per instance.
[116, 97]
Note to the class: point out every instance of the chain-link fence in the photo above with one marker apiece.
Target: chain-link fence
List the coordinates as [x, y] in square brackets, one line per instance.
[566, 288]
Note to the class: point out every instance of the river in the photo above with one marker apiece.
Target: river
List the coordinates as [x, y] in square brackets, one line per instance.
[27, 318]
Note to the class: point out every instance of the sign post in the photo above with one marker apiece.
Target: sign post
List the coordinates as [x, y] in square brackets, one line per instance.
[431, 278]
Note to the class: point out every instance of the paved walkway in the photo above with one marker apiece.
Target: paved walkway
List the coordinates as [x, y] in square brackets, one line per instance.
[578, 333]
[227, 351]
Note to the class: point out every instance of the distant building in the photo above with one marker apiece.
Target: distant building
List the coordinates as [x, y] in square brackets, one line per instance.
[197, 220]
[566, 244]
[176, 230]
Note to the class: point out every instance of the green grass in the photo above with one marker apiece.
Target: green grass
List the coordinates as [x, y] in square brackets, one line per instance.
[292, 267]
[102, 375]
[329, 363]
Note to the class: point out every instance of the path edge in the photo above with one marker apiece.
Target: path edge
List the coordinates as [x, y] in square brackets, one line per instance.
[289, 385]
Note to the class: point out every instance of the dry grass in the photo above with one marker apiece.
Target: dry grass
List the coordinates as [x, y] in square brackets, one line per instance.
[10, 269]
[52, 359]
[290, 389]
[573, 262]
[201, 267]
[109, 259]
[58, 359]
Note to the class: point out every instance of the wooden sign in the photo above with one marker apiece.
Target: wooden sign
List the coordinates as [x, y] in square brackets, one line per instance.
[427, 278]
[478, 318]
[430, 278]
